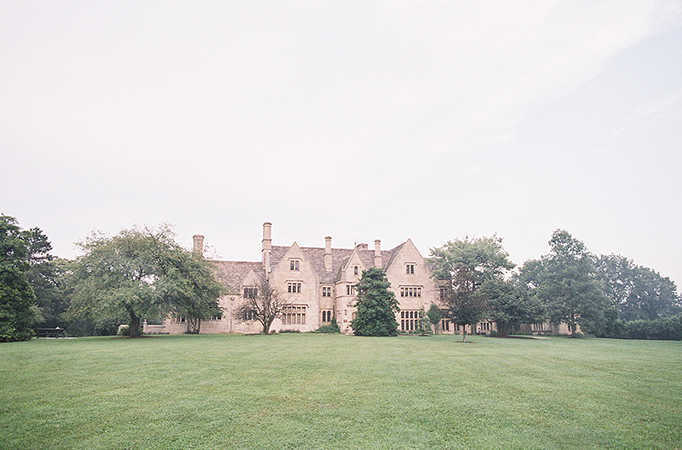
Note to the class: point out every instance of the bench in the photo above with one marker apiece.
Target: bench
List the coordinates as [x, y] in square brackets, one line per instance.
[50, 332]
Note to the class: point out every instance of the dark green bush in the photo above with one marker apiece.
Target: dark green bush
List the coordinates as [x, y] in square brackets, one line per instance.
[330, 328]
[665, 328]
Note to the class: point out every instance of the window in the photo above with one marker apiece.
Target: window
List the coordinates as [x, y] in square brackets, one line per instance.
[409, 269]
[538, 327]
[356, 270]
[410, 291]
[250, 315]
[445, 325]
[294, 287]
[326, 291]
[250, 292]
[443, 292]
[350, 289]
[293, 264]
[327, 315]
[408, 320]
[294, 315]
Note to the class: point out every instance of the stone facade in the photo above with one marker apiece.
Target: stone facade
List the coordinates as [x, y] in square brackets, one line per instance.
[319, 282]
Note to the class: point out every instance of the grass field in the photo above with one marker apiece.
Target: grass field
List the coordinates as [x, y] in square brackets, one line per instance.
[332, 391]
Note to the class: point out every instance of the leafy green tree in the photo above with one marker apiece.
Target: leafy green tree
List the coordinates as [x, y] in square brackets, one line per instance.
[140, 272]
[565, 281]
[376, 306]
[423, 326]
[509, 305]
[264, 305]
[638, 292]
[192, 287]
[465, 264]
[17, 299]
[434, 316]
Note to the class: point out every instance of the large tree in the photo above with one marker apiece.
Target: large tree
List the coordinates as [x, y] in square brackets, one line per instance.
[565, 281]
[464, 265]
[17, 299]
[192, 287]
[510, 305]
[263, 304]
[141, 272]
[638, 292]
[376, 305]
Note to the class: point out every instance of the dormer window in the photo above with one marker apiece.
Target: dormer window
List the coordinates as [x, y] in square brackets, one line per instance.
[294, 264]
[409, 269]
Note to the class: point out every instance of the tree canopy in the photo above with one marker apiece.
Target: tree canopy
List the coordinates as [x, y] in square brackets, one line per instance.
[143, 273]
[638, 292]
[565, 281]
[464, 265]
[376, 305]
[509, 305]
[18, 248]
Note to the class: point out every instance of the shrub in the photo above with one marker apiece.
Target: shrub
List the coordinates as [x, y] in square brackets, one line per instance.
[330, 328]
[665, 328]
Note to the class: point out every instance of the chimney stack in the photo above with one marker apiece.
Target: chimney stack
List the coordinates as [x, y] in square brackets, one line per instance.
[198, 244]
[267, 245]
[378, 260]
[328, 253]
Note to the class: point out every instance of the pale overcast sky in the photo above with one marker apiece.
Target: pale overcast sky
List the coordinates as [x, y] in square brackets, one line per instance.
[360, 120]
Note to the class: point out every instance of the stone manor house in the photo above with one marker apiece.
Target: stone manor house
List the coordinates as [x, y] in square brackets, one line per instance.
[319, 283]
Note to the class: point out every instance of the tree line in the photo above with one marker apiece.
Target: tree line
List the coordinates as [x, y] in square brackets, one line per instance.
[606, 296]
[142, 273]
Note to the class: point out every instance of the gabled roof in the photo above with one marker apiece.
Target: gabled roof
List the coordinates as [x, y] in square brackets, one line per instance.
[233, 273]
[393, 253]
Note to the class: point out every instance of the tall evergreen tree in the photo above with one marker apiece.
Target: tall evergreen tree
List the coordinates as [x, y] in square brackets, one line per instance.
[376, 306]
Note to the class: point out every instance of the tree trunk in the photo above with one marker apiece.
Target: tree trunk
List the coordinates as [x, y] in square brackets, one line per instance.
[464, 333]
[503, 329]
[266, 327]
[134, 323]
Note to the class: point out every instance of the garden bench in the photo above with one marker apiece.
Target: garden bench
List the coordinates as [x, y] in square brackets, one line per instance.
[50, 332]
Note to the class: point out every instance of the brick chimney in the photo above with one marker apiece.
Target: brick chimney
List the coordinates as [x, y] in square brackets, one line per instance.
[378, 260]
[267, 245]
[328, 253]
[198, 244]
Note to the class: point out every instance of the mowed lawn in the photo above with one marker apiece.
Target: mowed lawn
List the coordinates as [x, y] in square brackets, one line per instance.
[332, 391]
